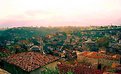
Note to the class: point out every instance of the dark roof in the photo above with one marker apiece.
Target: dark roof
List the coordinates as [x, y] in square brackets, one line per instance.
[29, 61]
[3, 50]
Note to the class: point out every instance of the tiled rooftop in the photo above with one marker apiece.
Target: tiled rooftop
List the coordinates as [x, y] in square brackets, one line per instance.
[99, 55]
[29, 61]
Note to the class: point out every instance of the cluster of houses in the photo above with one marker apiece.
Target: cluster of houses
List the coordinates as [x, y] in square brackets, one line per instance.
[60, 44]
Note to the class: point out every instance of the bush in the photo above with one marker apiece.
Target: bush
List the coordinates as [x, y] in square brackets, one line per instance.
[49, 71]
[69, 72]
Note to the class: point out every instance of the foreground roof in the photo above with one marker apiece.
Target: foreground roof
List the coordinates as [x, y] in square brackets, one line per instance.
[29, 61]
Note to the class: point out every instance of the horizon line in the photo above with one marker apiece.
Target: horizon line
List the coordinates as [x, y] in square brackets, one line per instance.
[63, 26]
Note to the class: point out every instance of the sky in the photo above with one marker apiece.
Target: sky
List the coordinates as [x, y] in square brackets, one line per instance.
[17, 13]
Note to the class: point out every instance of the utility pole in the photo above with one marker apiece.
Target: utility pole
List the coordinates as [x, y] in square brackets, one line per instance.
[42, 45]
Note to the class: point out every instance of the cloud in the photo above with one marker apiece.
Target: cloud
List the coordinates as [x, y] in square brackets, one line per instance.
[37, 12]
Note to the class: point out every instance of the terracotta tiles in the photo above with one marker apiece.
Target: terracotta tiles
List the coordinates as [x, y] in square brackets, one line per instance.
[98, 55]
[29, 61]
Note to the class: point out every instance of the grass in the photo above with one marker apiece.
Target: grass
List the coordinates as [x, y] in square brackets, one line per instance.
[50, 71]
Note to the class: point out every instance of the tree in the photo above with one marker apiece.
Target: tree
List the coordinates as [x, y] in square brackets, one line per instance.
[103, 42]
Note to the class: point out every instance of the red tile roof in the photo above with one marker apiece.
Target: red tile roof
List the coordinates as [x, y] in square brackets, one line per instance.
[97, 55]
[29, 61]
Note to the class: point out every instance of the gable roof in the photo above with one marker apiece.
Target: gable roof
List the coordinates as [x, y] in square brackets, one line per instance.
[29, 61]
[89, 41]
[35, 48]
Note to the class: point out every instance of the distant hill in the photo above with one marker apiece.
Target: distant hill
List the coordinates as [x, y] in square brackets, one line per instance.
[25, 32]
[29, 32]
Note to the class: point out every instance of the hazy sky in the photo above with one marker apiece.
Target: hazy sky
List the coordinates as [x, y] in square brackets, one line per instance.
[59, 12]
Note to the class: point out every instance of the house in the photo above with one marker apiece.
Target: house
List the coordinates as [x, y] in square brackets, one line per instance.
[36, 48]
[8, 43]
[116, 56]
[102, 50]
[70, 54]
[27, 62]
[120, 41]
[49, 36]
[4, 52]
[118, 69]
[91, 44]
[89, 41]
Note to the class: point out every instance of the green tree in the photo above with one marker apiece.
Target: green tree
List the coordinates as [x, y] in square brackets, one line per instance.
[103, 42]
